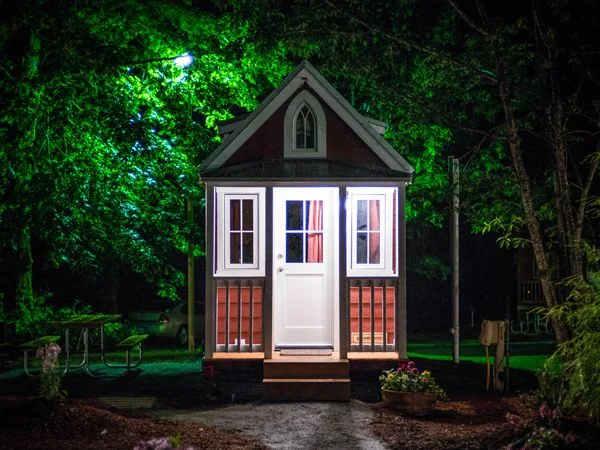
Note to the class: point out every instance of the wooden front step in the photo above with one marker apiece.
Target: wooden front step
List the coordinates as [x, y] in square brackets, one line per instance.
[306, 389]
[306, 379]
[286, 367]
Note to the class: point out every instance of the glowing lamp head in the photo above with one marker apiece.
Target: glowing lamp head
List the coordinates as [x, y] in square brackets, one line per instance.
[184, 60]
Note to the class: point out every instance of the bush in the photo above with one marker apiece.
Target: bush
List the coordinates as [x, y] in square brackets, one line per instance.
[33, 315]
[569, 379]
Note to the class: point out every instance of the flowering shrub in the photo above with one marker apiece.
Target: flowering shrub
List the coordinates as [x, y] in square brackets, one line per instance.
[50, 380]
[544, 434]
[161, 443]
[407, 378]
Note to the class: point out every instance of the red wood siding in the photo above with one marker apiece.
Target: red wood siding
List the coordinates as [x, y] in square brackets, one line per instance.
[343, 144]
[233, 314]
[265, 144]
[390, 294]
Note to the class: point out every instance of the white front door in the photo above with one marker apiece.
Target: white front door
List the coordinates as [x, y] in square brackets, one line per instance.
[304, 233]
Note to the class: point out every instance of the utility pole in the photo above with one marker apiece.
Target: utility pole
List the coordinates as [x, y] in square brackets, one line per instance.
[454, 168]
[190, 279]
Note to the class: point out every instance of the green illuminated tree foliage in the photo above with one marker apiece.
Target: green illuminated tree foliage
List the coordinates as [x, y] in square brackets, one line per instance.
[102, 132]
[511, 89]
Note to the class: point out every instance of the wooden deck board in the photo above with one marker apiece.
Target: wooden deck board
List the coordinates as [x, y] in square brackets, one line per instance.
[335, 356]
[243, 356]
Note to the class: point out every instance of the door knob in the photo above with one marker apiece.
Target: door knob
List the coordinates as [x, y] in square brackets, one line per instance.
[281, 268]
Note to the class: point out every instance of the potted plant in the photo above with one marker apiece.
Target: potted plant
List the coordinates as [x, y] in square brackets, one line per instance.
[409, 390]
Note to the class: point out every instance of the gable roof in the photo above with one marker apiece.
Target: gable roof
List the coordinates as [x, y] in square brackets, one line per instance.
[242, 130]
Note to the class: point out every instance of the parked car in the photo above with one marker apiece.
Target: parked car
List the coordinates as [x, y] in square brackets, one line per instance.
[167, 320]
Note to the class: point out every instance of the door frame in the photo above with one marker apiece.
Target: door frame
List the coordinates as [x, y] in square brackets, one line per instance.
[335, 264]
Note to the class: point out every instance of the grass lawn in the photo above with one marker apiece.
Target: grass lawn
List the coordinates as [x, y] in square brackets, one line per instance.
[526, 355]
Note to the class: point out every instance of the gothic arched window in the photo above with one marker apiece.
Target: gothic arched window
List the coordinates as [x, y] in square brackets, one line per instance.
[305, 129]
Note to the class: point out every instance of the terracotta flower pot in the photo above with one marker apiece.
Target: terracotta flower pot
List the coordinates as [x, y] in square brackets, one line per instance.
[414, 403]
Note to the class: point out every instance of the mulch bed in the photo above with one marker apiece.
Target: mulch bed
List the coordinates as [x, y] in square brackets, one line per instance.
[470, 423]
[472, 419]
[29, 423]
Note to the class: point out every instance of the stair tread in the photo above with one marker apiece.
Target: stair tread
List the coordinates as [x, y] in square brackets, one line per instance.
[306, 380]
[305, 360]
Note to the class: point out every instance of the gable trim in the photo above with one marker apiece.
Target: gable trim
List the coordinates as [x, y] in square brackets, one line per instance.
[306, 73]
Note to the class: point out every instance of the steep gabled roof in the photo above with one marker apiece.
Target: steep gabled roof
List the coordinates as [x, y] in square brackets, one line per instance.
[306, 73]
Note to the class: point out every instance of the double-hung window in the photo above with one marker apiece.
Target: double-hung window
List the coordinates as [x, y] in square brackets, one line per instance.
[240, 231]
[371, 234]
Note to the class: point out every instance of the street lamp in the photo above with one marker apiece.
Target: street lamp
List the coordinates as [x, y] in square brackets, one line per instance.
[184, 60]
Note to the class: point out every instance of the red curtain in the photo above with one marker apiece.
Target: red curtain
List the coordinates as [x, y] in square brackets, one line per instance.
[375, 235]
[315, 240]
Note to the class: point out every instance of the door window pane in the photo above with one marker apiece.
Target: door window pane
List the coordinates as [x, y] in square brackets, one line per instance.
[314, 215]
[294, 246]
[293, 215]
[314, 248]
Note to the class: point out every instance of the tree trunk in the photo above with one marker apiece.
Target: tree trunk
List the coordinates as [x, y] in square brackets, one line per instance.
[549, 84]
[24, 274]
[533, 225]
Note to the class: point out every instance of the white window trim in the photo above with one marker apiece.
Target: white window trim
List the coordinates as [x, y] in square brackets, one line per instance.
[386, 267]
[224, 268]
[289, 127]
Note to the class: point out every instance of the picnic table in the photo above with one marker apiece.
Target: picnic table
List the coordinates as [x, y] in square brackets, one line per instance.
[85, 322]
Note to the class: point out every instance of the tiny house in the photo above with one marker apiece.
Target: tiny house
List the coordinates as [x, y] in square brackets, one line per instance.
[305, 241]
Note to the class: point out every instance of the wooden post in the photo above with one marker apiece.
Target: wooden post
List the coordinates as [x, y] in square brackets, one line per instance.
[190, 279]
[268, 289]
[401, 339]
[344, 319]
[210, 338]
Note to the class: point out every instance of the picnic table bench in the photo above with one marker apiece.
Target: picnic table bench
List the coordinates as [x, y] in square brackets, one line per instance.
[128, 344]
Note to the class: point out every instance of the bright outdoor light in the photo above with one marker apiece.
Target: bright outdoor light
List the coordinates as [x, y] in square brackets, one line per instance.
[184, 60]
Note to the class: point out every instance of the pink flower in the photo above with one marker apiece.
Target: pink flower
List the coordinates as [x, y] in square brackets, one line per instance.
[546, 413]
[513, 419]
[53, 350]
[40, 353]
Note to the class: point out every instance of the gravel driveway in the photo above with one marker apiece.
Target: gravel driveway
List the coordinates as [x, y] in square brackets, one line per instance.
[291, 425]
